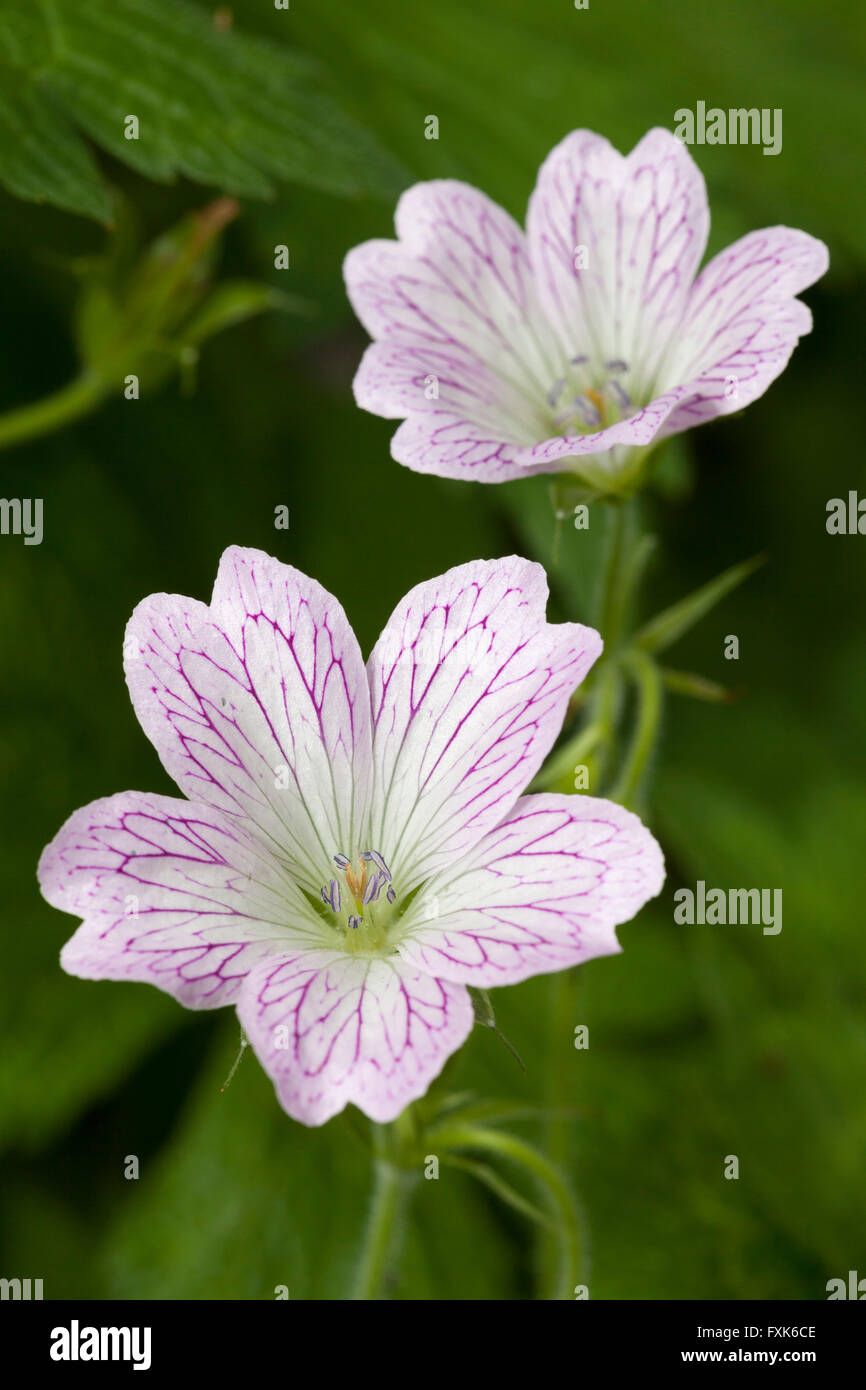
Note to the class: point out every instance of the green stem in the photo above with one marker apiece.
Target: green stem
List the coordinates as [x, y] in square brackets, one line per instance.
[52, 412]
[519, 1152]
[611, 598]
[648, 679]
[384, 1224]
[563, 763]
[606, 705]
[625, 561]
[597, 738]
[561, 1060]
[613, 595]
[394, 1181]
[565, 988]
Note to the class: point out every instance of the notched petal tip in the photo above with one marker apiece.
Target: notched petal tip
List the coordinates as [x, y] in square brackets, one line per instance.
[332, 1031]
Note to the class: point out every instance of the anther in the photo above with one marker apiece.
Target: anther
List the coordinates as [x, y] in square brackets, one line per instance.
[373, 856]
[555, 392]
[373, 889]
[588, 413]
[622, 396]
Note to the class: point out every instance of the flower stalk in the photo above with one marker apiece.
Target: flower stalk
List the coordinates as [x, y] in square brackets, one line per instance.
[393, 1184]
[143, 317]
[627, 661]
[648, 682]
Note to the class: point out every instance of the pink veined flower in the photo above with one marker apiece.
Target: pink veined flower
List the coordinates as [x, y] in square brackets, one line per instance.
[355, 850]
[579, 344]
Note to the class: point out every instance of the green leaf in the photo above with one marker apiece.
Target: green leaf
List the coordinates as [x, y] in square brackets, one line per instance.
[471, 1110]
[696, 686]
[571, 557]
[525, 64]
[233, 302]
[500, 1188]
[667, 627]
[218, 107]
[41, 157]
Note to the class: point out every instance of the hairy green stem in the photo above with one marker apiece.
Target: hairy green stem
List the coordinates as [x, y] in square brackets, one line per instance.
[394, 1180]
[384, 1229]
[596, 738]
[612, 599]
[648, 680]
[594, 743]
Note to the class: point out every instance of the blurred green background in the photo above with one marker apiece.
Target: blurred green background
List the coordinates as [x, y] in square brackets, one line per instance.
[704, 1041]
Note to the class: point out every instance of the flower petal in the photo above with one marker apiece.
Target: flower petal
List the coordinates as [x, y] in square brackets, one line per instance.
[608, 444]
[642, 221]
[469, 686]
[171, 893]
[451, 447]
[453, 309]
[258, 705]
[741, 323]
[542, 892]
[333, 1029]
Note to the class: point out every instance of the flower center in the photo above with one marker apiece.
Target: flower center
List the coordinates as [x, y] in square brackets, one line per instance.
[584, 400]
[359, 901]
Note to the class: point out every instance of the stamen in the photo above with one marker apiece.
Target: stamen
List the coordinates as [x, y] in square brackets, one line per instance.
[555, 392]
[376, 858]
[622, 396]
[364, 877]
[601, 398]
[588, 413]
[373, 889]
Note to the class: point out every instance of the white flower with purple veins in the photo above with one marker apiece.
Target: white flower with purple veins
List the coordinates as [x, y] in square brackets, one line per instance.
[355, 850]
[579, 344]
